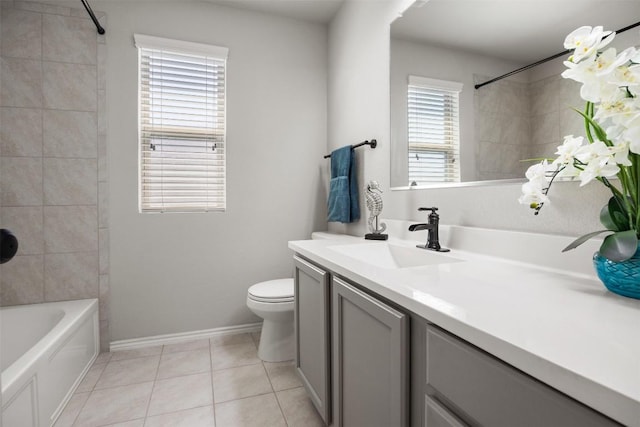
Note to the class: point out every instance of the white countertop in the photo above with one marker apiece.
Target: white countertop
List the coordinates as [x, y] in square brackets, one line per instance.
[566, 330]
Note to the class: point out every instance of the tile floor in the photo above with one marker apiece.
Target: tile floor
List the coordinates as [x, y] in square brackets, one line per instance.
[217, 382]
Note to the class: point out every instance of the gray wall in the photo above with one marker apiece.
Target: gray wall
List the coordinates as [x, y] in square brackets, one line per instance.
[185, 272]
[52, 155]
[359, 72]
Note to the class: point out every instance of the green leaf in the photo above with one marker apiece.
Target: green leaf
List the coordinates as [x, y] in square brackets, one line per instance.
[619, 246]
[600, 133]
[606, 220]
[616, 215]
[580, 240]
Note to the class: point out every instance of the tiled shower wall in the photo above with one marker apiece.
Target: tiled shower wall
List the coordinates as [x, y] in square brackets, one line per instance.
[53, 175]
[519, 120]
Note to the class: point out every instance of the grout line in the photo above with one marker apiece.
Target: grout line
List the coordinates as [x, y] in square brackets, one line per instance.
[213, 391]
[153, 387]
[281, 410]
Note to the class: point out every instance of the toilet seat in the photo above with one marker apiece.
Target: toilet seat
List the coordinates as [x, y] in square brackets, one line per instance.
[272, 291]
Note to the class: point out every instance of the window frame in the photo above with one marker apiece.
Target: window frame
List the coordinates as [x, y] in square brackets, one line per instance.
[208, 129]
[450, 91]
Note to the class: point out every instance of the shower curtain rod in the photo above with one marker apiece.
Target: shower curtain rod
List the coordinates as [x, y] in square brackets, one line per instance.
[93, 16]
[542, 61]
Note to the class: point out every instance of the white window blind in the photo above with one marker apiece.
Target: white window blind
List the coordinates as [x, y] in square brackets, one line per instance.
[433, 131]
[181, 125]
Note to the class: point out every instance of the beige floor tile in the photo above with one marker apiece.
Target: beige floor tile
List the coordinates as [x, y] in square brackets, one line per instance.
[129, 371]
[186, 346]
[103, 358]
[176, 394]
[114, 405]
[298, 409]
[133, 423]
[233, 355]
[71, 411]
[240, 382]
[184, 363]
[256, 337]
[232, 339]
[138, 352]
[258, 411]
[283, 375]
[196, 417]
[93, 375]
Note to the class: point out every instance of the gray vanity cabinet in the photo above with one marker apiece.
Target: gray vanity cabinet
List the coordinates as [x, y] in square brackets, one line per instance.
[312, 319]
[370, 360]
[365, 362]
[466, 386]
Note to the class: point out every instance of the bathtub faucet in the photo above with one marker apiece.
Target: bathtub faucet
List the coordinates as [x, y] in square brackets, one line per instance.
[433, 240]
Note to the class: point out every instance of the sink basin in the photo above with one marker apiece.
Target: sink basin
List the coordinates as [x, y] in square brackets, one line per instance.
[389, 255]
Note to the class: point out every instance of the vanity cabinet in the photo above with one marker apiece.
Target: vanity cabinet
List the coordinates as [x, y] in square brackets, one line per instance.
[465, 386]
[369, 359]
[312, 320]
[367, 362]
[351, 351]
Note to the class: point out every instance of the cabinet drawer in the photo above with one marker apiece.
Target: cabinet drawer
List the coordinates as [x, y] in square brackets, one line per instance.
[482, 390]
[436, 415]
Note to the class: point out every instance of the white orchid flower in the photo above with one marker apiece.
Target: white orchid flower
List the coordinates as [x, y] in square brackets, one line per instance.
[567, 151]
[585, 41]
[595, 84]
[629, 77]
[594, 152]
[620, 151]
[632, 134]
[538, 173]
[611, 61]
[532, 195]
[619, 107]
[600, 167]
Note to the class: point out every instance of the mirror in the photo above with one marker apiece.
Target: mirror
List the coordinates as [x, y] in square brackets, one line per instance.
[500, 124]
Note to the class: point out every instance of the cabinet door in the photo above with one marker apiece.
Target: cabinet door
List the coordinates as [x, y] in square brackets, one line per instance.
[312, 330]
[483, 390]
[369, 360]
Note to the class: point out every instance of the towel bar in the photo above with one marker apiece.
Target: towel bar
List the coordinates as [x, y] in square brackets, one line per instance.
[373, 143]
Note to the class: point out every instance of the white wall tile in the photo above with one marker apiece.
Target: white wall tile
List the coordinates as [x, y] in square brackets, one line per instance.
[70, 229]
[70, 134]
[27, 225]
[20, 132]
[68, 39]
[20, 34]
[70, 181]
[71, 276]
[22, 280]
[20, 82]
[103, 245]
[21, 179]
[69, 86]
[42, 7]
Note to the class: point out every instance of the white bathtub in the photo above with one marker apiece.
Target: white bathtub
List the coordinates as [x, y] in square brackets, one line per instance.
[45, 351]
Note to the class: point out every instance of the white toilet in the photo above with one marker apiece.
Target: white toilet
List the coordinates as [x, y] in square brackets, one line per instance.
[273, 301]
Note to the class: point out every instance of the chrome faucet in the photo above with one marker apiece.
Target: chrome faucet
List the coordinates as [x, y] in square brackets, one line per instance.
[433, 242]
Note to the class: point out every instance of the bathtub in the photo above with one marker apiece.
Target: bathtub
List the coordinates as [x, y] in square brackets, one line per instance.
[45, 351]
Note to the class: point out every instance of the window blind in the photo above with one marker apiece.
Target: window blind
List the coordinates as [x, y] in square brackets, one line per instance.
[433, 131]
[181, 126]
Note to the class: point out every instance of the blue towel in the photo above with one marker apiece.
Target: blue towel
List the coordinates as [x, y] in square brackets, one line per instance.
[343, 204]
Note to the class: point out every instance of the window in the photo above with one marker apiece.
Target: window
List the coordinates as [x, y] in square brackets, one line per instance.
[433, 131]
[181, 125]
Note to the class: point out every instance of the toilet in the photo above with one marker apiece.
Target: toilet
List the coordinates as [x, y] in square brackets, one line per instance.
[273, 301]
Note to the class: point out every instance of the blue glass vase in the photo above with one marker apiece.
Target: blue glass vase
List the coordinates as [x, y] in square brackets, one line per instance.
[622, 278]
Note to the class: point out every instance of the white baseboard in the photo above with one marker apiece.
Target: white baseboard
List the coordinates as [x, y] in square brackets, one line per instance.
[182, 337]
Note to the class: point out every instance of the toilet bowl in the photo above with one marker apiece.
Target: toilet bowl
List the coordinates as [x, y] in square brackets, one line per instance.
[273, 301]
